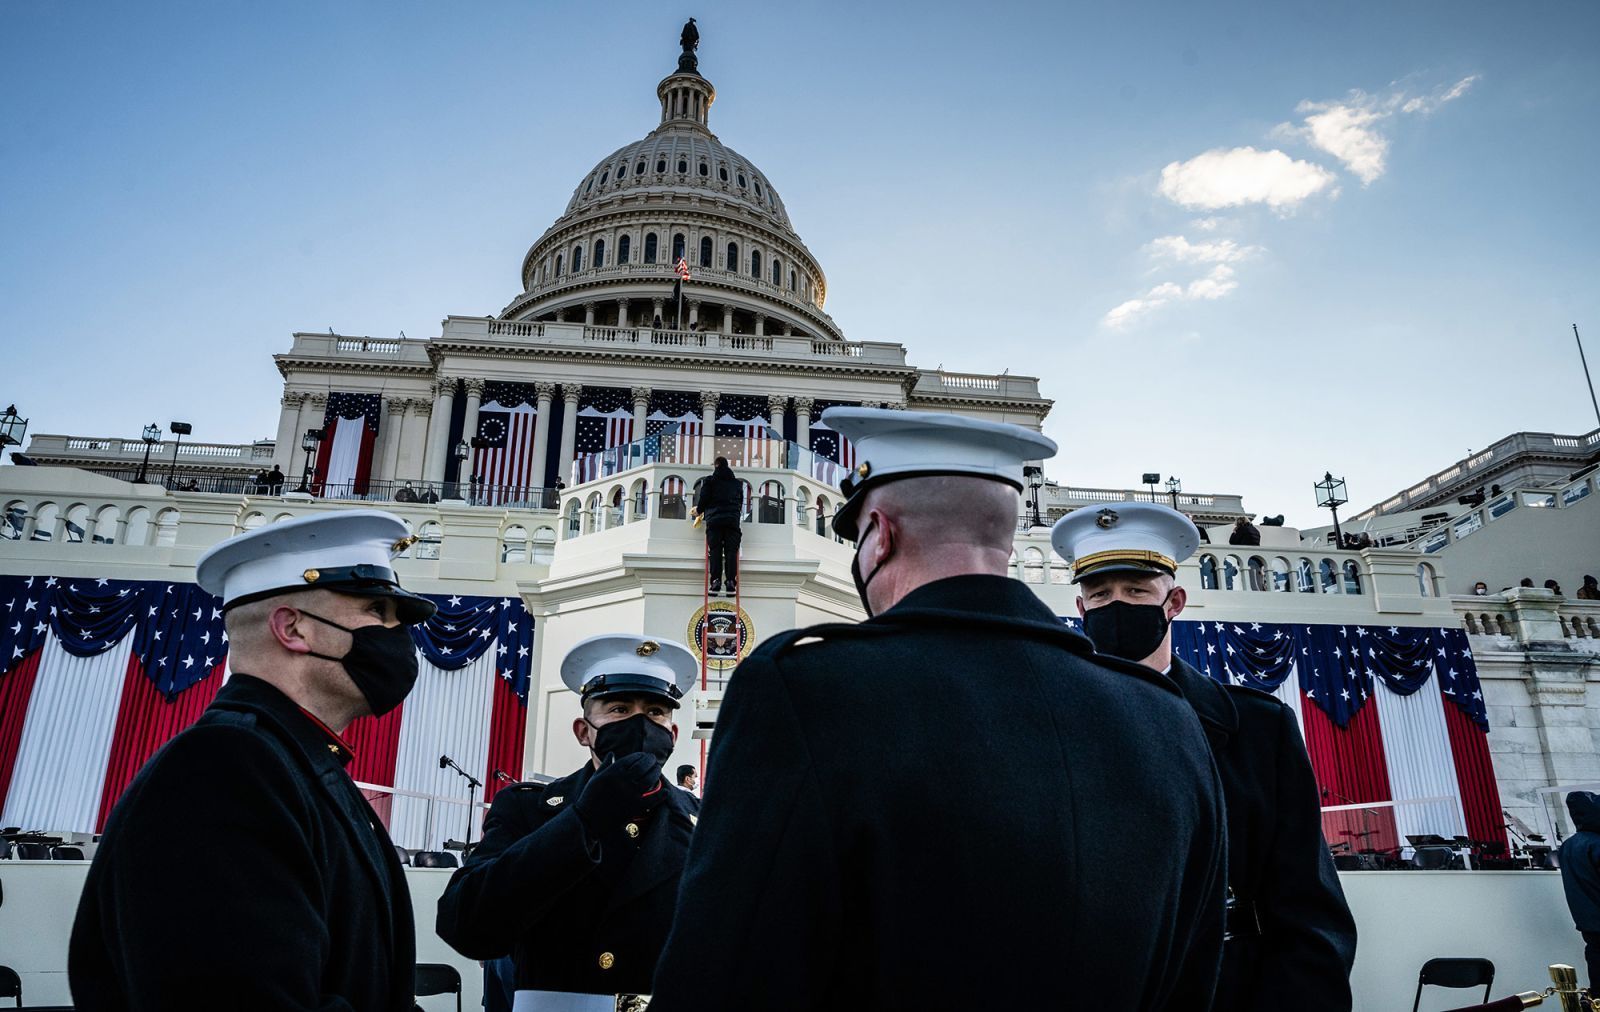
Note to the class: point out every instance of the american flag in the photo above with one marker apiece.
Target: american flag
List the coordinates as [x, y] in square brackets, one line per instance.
[675, 418]
[349, 434]
[598, 432]
[504, 461]
[683, 268]
[828, 445]
[749, 443]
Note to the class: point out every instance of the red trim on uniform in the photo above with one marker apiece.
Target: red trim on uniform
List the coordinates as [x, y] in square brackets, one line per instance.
[349, 753]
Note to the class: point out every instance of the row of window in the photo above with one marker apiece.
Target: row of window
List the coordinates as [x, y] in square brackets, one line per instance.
[702, 168]
[651, 247]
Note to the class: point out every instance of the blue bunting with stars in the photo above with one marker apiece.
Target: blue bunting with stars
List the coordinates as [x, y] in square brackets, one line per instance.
[179, 637]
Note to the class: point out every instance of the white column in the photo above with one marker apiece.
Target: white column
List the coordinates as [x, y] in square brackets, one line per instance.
[394, 422]
[311, 413]
[761, 324]
[775, 406]
[622, 313]
[588, 314]
[288, 443]
[444, 403]
[708, 425]
[414, 440]
[727, 318]
[641, 410]
[541, 431]
[802, 422]
[570, 392]
[469, 423]
[655, 312]
[694, 312]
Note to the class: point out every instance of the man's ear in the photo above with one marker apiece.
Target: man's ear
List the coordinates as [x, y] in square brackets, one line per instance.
[288, 627]
[1081, 609]
[1175, 602]
[886, 533]
[582, 731]
[674, 734]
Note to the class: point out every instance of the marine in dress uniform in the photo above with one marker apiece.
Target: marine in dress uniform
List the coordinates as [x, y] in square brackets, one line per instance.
[954, 804]
[242, 869]
[577, 879]
[1292, 939]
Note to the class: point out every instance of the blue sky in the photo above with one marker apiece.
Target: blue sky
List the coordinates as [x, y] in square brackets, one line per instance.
[1240, 243]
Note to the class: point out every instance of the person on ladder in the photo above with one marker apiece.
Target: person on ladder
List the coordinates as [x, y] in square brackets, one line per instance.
[719, 503]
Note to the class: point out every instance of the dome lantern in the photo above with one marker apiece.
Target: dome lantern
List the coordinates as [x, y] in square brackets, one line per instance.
[685, 98]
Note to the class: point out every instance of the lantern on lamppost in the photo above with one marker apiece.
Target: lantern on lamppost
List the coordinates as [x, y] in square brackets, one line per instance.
[308, 443]
[1331, 494]
[1174, 486]
[151, 436]
[461, 452]
[12, 428]
[1035, 479]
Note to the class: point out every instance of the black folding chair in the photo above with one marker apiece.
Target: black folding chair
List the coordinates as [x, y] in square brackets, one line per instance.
[10, 984]
[66, 853]
[33, 852]
[403, 854]
[438, 978]
[1462, 972]
[434, 859]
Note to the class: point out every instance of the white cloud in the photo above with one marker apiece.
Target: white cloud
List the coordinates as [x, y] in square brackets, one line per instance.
[1234, 177]
[1179, 248]
[1351, 130]
[1206, 224]
[1214, 285]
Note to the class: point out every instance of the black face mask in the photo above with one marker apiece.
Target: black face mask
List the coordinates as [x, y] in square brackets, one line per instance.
[1130, 631]
[855, 570]
[382, 661]
[637, 733]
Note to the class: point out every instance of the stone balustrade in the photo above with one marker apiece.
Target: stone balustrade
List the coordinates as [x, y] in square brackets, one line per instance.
[50, 448]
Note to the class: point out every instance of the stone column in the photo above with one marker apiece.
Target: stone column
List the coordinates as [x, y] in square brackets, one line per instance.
[561, 315]
[588, 314]
[444, 403]
[288, 443]
[414, 440]
[622, 313]
[708, 425]
[802, 421]
[641, 410]
[655, 313]
[694, 312]
[761, 324]
[570, 392]
[776, 403]
[469, 423]
[727, 319]
[544, 392]
[90, 522]
[394, 422]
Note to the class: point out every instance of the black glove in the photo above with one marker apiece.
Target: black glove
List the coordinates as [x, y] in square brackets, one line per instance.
[615, 792]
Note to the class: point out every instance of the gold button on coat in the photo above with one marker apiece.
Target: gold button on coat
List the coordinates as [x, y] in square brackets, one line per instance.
[607, 960]
[633, 829]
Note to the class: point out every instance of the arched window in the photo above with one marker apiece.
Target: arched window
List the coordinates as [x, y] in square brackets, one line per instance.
[577, 259]
[733, 256]
[622, 171]
[661, 165]
[1208, 572]
[822, 504]
[769, 510]
[599, 253]
[683, 166]
[544, 546]
[722, 172]
[624, 247]
[1352, 577]
[741, 180]
[791, 281]
[1231, 573]
[705, 252]
[755, 264]
[678, 242]
[605, 176]
[758, 187]
[1032, 566]
[574, 518]
[638, 170]
[589, 186]
[1258, 573]
[1425, 584]
[777, 271]
[1330, 576]
[650, 248]
[514, 544]
[1280, 574]
[1305, 577]
[558, 265]
[705, 170]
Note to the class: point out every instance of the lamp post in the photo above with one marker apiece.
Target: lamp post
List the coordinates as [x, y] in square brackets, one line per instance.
[1035, 479]
[151, 436]
[179, 429]
[462, 451]
[12, 428]
[1331, 494]
[1174, 486]
[1152, 479]
[308, 443]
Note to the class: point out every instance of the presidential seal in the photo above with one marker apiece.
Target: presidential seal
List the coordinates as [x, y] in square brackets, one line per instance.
[724, 632]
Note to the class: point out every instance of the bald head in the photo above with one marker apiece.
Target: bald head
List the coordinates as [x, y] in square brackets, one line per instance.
[918, 530]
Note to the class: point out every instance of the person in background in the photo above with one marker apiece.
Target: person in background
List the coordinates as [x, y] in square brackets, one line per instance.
[720, 502]
[1553, 587]
[1590, 591]
[1580, 875]
[275, 480]
[1291, 938]
[688, 777]
[1526, 581]
[1480, 588]
[1244, 533]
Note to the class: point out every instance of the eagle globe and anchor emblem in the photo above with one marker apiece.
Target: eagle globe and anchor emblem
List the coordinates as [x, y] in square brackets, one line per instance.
[724, 631]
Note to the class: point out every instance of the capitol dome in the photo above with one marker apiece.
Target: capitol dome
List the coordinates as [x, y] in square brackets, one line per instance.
[679, 192]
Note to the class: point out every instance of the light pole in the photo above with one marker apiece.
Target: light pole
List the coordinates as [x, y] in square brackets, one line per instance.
[1152, 479]
[179, 429]
[1035, 479]
[1174, 486]
[151, 436]
[12, 428]
[308, 443]
[1331, 494]
[462, 452]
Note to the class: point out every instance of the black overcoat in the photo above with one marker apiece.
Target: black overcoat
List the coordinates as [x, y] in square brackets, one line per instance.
[576, 913]
[243, 870]
[953, 805]
[1294, 940]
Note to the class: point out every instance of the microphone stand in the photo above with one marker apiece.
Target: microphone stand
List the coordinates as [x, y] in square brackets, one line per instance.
[473, 783]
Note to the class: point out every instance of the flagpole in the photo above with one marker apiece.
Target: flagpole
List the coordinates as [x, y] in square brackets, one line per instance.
[1586, 376]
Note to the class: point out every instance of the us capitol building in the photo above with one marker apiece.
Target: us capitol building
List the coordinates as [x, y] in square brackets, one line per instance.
[544, 455]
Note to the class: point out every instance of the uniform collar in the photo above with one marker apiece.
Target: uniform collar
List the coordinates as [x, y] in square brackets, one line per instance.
[981, 593]
[246, 692]
[1211, 701]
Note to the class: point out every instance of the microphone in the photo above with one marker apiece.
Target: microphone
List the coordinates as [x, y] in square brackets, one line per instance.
[503, 777]
[444, 761]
